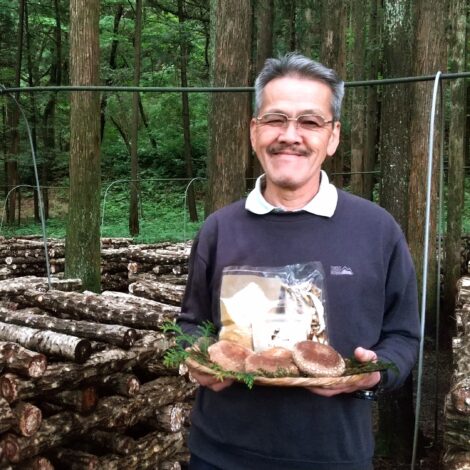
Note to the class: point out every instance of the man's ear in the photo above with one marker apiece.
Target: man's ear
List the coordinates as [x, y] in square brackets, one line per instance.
[333, 140]
[253, 133]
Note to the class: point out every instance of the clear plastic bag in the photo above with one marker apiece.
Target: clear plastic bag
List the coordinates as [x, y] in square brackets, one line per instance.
[264, 307]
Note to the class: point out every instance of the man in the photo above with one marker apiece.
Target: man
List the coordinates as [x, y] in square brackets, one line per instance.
[294, 215]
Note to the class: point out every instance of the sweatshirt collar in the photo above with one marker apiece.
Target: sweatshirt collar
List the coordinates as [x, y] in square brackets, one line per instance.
[323, 203]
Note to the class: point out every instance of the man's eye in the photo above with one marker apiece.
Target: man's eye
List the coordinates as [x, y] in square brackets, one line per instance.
[274, 120]
[310, 123]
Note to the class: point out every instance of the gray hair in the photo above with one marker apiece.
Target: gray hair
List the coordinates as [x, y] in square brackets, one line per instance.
[297, 65]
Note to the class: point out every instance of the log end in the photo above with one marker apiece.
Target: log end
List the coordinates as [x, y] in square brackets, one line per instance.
[82, 351]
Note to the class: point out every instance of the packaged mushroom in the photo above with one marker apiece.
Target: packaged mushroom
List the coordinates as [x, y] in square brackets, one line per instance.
[264, 307]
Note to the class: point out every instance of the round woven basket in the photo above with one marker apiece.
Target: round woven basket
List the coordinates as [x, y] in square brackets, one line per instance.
[324, 382]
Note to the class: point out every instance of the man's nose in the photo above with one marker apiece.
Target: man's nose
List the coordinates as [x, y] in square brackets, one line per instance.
[290, 133]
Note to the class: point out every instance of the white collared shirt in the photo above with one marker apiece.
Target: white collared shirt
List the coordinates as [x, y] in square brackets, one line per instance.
[323, 203]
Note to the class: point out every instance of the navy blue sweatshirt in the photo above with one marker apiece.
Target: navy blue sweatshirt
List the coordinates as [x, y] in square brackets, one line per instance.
[371, 302]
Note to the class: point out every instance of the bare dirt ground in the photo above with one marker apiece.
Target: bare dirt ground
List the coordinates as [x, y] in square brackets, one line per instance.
[430, 455]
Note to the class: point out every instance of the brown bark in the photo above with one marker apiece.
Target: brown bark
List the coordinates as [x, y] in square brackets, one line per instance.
[134, 184]
[82, 251]
[22, 361]
[333, 55]
[112, 442]
[358, 112]
[82, 400]
[429, 57]
[112, 334]
[120, 383]
[95, 308]
[158, 291]
[150, 450]
[456, 160]
[7, 418]
[74, 459]
[47, 342]
[230, 112]
[69, 375]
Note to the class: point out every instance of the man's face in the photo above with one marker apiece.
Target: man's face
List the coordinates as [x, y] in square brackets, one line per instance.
[292, 156]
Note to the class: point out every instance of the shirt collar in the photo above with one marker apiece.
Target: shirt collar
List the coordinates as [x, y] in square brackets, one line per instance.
[323, 203]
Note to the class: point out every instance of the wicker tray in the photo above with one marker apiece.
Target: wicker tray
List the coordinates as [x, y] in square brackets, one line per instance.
[289, 381]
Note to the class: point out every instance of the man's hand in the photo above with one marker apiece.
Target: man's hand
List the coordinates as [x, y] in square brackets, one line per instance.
[367, 382]
[209, 381]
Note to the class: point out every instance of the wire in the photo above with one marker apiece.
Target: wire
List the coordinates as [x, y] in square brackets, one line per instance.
[36, 176]
[437, 83]
[383, 81]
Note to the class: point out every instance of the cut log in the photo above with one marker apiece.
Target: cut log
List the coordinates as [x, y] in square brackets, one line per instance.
[47, 342]
[112, 442]
[113, 334]
[150, 451]
[69, 375]
[460, 396]
[168, 418]
[159, 291]
[132, 300]
[22, 361]
[81, 400]
[74, 459]
[28, 419]
[95, 308]
[120, 383]
[19, 284]
[170, 465]
[7, 418]
[36, 463]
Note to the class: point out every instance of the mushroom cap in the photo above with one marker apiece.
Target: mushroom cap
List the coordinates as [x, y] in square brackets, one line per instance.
[318, 360]
[273, 360]
[229, 355]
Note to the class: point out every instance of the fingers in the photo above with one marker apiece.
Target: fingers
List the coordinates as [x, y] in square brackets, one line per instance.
[365, 355]
[209, 381]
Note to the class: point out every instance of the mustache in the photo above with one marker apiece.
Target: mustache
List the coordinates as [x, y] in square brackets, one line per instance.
[278, 148]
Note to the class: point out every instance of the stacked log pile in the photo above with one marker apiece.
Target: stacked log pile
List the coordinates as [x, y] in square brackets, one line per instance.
[121, 262]
[457, 403]
[82, 384]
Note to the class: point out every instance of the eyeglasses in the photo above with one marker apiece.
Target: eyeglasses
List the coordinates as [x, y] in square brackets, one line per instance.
[309, 122]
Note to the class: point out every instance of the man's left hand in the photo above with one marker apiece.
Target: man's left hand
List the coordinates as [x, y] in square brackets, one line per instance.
[366, 383]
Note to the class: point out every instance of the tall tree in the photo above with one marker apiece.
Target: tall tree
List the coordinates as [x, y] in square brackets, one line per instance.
[358, 111]
[457, 138]
[429, 57]
[82, 244]
[371, 138]
[395, 110]
[134, 186]
[184, 52]
[11, 167]
[229, 112]
[333, 55]
[396, 423]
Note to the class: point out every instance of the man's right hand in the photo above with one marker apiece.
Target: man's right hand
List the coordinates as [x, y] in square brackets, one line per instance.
[209, 381]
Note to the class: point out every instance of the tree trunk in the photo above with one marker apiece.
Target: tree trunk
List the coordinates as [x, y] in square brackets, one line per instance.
[395, 112]
[191, 201]
[371, 139]
[230, 112]
[456, 171]
[396, 428]
[429, 57]
[264, 19]
[134, 186]
[333, 55]
[82, 250]
[11, 167]
[358, 99]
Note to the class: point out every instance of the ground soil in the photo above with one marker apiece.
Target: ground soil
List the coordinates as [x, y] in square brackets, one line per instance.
[431, 421]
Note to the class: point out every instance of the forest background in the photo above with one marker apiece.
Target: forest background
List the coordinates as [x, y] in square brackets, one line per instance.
[153, 164]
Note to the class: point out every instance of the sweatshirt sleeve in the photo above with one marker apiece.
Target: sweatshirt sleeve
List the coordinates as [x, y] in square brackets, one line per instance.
[196, 306]
[399, 340]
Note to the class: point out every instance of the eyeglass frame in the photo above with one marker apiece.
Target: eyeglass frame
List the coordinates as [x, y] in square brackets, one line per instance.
[294, 119]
